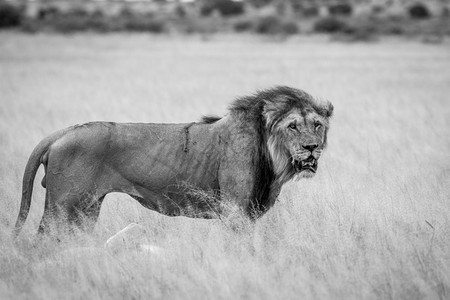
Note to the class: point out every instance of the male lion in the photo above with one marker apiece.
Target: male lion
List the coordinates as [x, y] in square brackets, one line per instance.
[246, 156]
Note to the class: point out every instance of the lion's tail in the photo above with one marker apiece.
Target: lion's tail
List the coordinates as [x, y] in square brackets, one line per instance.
[38, 156]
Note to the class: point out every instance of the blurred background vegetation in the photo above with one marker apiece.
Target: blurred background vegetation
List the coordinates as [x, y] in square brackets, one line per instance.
[352, 19]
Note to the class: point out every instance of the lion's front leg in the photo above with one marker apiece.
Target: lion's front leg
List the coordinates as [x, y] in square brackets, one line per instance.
[236, 189]
[241, 187]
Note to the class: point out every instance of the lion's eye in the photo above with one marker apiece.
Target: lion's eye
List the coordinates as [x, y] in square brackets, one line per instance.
[317, 125]
[292, 126]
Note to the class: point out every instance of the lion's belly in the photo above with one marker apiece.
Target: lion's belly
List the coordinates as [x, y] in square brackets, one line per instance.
[185, 185]
[179, 198]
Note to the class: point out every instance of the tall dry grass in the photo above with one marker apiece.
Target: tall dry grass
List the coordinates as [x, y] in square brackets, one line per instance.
[373, 223]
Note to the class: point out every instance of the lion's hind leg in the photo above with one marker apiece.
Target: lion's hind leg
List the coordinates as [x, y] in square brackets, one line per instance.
[68, 214]
[86, 214]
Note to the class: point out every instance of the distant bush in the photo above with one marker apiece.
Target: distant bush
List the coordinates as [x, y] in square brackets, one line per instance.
[204, 26]
[243, 25]
[355, 29]
[341, 9]
[99, 23]
[10, 15]
[67, 23]
[30, 26]
[180, 11]
[396, 25]
[392, 26]
[259, 3]
[77, 12]
[145, 24]
[290, 28]
[275, 25]
[361, 29]
[126, 12]
[78, 20]
[419, 11]
[268, 25]
[445, 12]
[48, 12]
[223, 7]
[312, 11]
[377, 9]
[330, 25]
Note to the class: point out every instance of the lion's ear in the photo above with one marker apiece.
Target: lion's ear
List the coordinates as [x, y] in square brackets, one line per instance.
[329, 109]
[325, 109]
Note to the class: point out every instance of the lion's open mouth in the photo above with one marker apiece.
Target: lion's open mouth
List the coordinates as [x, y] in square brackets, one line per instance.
[309, 164]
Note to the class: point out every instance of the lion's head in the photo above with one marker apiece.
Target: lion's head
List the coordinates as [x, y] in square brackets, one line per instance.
[293, 128]
[297, 126]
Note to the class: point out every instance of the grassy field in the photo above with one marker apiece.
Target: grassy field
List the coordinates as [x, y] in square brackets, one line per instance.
[374, 223]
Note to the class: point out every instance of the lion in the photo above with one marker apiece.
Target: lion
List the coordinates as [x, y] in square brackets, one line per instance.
[246, 156]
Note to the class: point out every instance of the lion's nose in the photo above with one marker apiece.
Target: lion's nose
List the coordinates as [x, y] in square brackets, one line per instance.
[310, 147]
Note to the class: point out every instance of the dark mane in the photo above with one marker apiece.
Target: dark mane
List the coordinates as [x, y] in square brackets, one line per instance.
[252, 108]
[279, 100]
[249, 103]
[209, 119]
[253, 105]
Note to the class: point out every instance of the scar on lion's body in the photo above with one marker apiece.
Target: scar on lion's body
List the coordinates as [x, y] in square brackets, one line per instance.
[186, 137]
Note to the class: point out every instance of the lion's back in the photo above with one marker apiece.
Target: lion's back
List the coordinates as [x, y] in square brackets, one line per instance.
[89, 138]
